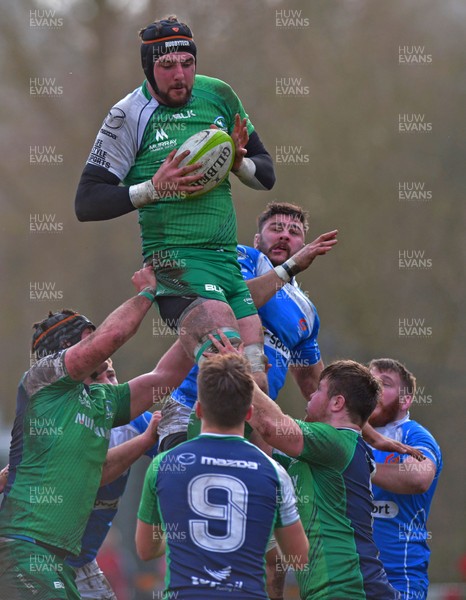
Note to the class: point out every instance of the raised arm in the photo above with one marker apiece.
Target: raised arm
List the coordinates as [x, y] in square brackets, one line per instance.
[88, 355]
[170, 372]
[266, 286]
[277, 429]
[253, 165]
[307, 377]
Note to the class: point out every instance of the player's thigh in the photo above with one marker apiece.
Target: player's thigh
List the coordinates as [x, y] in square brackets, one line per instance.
[204, 318]
[250, 329]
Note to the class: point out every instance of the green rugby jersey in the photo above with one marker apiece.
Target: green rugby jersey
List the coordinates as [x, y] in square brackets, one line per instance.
[59, 443]
[137, 136]
[332, 484]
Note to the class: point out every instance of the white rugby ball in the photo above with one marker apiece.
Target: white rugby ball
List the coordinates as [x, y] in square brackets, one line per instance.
[215, 150]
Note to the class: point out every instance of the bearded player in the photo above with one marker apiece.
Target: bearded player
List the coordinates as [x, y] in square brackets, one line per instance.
[190, 242]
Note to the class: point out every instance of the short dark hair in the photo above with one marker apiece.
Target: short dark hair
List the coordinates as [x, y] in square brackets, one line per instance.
[225, 388]
[283, 208]
[355, 383]
[390, 364]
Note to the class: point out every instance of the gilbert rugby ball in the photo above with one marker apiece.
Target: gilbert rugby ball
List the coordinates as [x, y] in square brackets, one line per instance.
[215, 150]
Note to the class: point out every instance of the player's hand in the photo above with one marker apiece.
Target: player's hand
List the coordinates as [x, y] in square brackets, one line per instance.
[224, 346]
[405, 449]
[240, 137]
[144, 278]
[171, 179]
[388, 445]
[151, 435]
[323, 244]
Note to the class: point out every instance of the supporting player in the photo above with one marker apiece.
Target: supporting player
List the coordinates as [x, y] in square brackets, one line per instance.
[127, 444]
[190, 242]
[60, 440]
[403, 488]
[330, 466]
[213, 501]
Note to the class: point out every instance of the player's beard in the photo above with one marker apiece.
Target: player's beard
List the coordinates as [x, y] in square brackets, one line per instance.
[167, 100]
[383, 415]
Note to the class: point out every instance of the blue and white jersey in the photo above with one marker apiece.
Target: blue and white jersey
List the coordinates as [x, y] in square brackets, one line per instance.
[289, 320]
[217, 498]
[108, 496]
[290, 323]
[400, 520]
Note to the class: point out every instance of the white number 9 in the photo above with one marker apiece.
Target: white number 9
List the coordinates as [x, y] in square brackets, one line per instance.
[234, 512]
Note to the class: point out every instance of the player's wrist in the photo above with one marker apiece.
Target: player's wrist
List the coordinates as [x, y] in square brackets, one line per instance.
[148, 292]
[287, 270]
[246, 170]
[143, 193]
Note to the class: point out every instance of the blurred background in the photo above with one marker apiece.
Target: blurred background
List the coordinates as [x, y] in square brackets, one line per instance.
[361, 104]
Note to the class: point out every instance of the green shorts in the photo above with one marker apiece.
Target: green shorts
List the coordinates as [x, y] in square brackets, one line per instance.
[30, 571]
[210, 274]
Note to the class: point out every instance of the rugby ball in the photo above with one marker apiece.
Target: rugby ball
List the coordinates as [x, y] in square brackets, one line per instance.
[215, 150]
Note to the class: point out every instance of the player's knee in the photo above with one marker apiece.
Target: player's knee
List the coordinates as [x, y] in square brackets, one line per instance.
[205, 345]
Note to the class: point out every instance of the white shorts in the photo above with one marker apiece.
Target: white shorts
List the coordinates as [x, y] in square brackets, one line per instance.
[92, 583]
[175, 418]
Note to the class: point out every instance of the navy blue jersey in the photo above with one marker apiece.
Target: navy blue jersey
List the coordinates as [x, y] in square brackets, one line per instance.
[217, 498]
[332, 483]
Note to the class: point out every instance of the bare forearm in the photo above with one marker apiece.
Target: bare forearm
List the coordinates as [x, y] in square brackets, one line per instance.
[307, 377]
[409, 477]
[83, 359]
[120, 458]
[150, 540]
[264, 287]
[152, 387]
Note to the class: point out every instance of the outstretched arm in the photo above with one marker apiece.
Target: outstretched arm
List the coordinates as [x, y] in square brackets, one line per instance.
[170, 372]
[386, 444]
[266, 286]
[88, 355]
[277, 429]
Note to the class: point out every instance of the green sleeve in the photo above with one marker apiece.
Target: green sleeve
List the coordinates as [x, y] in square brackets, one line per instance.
[325, 445]
[149, 509]
[120, 396]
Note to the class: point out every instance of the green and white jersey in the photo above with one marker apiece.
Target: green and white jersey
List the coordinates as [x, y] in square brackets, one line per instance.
[332, 484]
[59, 443]
[135, 139]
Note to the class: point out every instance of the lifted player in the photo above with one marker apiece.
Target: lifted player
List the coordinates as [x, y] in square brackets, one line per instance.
[190, 242]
